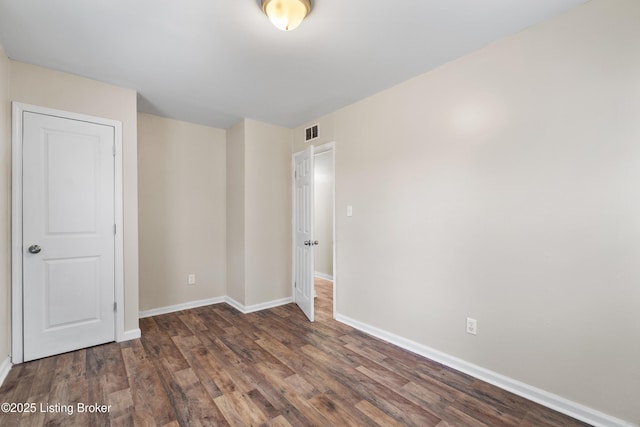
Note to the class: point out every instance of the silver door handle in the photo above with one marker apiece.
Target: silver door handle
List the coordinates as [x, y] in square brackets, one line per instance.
[34, 249]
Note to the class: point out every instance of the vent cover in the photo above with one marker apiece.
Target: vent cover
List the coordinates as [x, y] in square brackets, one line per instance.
[311, 133]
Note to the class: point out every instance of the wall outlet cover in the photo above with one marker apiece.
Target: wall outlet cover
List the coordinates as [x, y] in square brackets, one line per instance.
[472, 326]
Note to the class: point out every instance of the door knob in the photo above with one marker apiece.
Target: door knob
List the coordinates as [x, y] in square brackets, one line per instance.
[307, 242]
[34, 249]
[315, 243]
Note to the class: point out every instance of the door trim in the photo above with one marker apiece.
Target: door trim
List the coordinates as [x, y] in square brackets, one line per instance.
[318, 149]
[18, 109]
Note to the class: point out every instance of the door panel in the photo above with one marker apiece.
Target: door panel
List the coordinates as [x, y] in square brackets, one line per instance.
[303, 214]
[68, 211]
[72, 279]
[72, 165]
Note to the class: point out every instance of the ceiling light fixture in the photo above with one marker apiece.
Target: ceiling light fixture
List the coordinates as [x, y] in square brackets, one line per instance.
[286, 15]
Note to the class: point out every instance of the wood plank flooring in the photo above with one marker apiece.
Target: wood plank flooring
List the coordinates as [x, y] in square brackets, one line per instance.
[214, 366]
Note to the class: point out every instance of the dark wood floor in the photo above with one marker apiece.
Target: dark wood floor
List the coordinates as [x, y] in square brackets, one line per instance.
[215, 366]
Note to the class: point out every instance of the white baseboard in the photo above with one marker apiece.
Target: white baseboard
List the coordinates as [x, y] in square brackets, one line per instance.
[257, 307]
[267, 305]
[323, 276]
[201, 303]
[131, 334]
[5, 367]
[550, 400]
[178, 307]
[235, 304]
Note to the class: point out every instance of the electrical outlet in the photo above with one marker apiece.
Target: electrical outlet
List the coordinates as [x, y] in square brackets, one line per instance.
[192, 279]
[472, 326]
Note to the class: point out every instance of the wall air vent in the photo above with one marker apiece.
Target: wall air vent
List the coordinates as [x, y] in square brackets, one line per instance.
[311, 133]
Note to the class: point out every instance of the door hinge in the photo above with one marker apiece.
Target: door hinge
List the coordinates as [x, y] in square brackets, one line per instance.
[114, 229]
[295, 285]
[114, 149]
[115, 306]
[295, 174]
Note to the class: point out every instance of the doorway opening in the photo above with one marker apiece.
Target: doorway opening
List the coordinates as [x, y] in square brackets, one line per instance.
[324, 231]
[305, 243]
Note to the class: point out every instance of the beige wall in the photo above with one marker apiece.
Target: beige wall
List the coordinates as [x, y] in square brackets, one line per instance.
[217, 204]
[47, 88]
[5, 208]
[182, 199]
[267, 212]
[323, 213]
[258, 212]
[235, 212]
[504, 186]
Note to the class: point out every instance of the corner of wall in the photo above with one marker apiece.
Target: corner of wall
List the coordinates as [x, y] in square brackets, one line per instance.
[267, 212]
[235, 200]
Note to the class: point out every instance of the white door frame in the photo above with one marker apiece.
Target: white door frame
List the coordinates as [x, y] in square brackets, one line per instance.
[18, 109]
[318, 149]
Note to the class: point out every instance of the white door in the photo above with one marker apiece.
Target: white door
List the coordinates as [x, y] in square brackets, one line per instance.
[68, 234]
[303, 229]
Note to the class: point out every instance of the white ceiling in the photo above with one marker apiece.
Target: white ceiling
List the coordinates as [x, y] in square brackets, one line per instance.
[216, 61]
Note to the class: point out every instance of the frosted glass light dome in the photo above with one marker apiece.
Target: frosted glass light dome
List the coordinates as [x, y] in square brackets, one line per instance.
[286, 15]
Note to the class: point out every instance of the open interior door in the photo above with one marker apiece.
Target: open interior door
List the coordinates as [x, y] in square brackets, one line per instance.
[303, 231]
